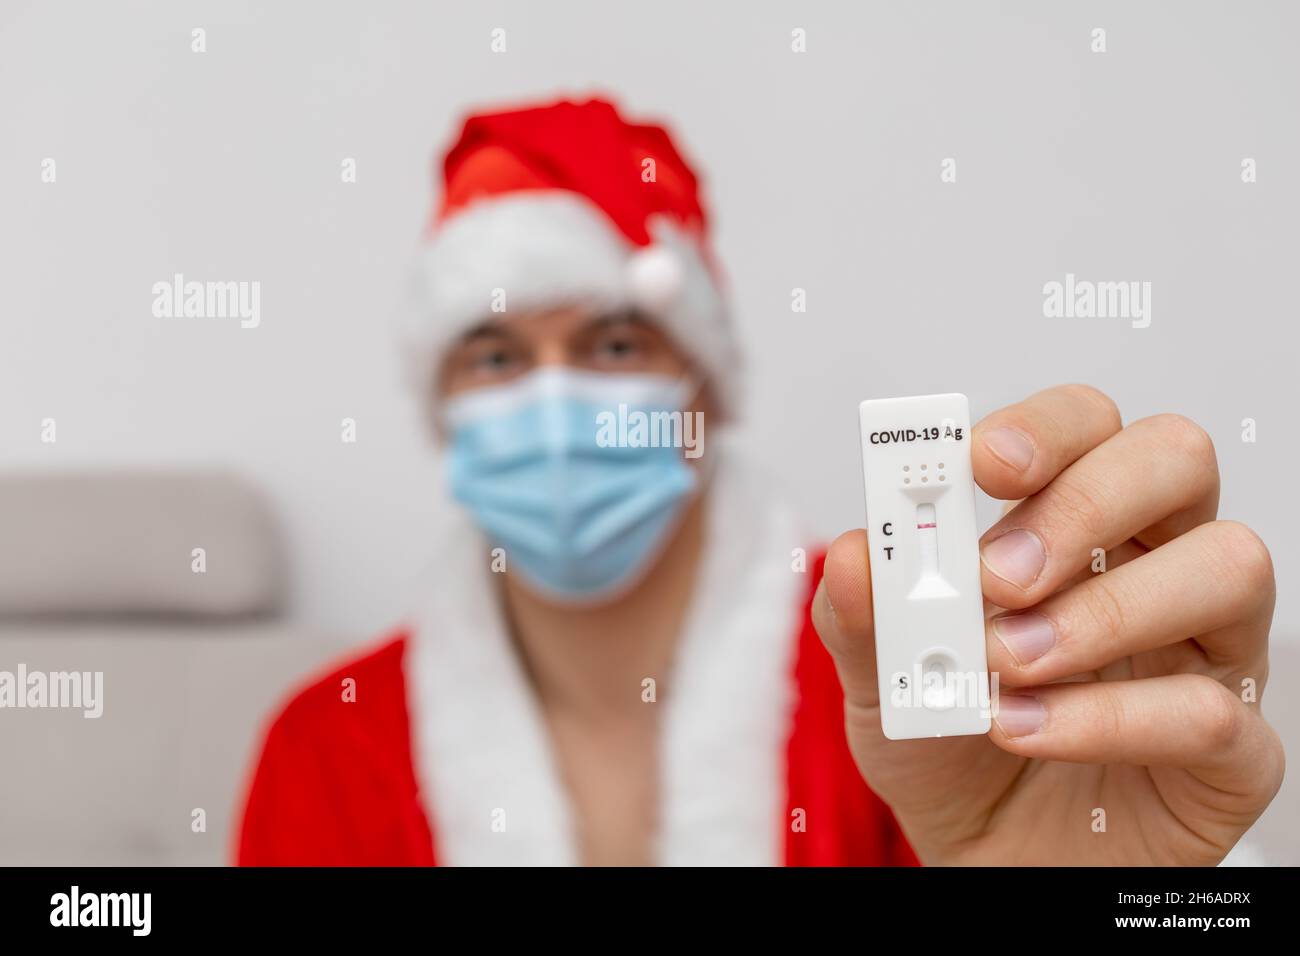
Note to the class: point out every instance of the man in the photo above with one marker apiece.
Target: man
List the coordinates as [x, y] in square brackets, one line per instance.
[618, 662]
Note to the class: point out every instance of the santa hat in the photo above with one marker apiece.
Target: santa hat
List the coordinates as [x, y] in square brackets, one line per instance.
[571, 204]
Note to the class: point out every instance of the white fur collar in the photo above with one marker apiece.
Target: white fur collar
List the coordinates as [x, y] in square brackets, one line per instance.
[483, 757]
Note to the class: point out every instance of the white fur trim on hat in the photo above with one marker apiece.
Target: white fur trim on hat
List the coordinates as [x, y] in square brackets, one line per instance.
[548, 248]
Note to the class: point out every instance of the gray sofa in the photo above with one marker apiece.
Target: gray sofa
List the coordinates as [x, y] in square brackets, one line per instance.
[98, 573]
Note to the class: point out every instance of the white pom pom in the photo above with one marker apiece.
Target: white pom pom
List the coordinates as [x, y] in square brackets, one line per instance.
[654, 279]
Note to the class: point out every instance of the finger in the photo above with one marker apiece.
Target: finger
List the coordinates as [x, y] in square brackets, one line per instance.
[1109, 560]
[1215, 582]
[1121, 554]
[842, 616]
[1183, 720]
[1017, 450]
[1158, 476]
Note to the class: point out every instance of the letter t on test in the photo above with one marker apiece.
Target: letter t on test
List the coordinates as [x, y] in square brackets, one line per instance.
[925, 567]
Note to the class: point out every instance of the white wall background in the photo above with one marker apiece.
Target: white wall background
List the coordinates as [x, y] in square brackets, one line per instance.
[822, 172]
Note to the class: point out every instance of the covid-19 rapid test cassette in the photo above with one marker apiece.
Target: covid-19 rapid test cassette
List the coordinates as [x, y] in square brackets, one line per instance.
[923, 545]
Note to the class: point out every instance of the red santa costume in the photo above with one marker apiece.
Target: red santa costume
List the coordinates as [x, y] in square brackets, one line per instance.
[441, 756]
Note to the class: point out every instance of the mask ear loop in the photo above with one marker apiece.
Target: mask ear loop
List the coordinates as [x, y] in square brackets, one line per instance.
[691, 388]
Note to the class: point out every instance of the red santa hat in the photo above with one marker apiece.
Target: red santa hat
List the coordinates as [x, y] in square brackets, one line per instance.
[571, 204]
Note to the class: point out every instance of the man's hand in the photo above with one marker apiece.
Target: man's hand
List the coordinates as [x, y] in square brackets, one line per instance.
[1129, 729]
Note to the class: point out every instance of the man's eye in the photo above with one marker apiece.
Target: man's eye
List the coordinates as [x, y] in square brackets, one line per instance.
[493, 361]
[619, 348]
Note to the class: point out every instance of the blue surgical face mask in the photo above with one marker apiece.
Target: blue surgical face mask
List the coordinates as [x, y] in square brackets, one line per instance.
[578, 511]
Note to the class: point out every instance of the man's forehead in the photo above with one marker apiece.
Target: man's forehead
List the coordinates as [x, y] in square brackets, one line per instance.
[568, 320]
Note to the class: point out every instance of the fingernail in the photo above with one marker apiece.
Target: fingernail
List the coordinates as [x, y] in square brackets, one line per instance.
[1012, 446]
[1019, 716]
[1027, 636]
[1018, 557]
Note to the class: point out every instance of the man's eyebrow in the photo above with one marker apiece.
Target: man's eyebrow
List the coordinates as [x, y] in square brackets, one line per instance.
[624, 317]
[483, 330]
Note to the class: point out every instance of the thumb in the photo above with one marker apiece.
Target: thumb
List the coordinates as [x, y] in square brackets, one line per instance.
[915, 777]
[842, 615]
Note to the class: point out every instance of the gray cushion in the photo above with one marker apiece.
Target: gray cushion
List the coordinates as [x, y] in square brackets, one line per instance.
[123, 542]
